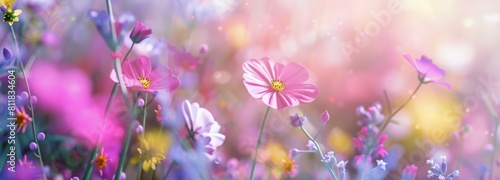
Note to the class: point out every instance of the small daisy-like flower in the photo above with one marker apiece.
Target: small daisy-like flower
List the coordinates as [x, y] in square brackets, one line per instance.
[10, 16]
[201, 126]
[290, 169]
[277, 85]
[428, 72]
[101, 161]
[22, 119]
[152, 147]
[139, 75]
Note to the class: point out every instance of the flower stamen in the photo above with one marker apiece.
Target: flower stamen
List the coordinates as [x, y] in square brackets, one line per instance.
[146, 82]
[277, 85]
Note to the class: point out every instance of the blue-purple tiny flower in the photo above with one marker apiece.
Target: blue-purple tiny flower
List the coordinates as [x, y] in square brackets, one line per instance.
[296, 120]
[101, 20]
[438, 171]
[6, 64]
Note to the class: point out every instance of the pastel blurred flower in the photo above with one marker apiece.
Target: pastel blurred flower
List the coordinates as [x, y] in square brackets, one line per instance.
[182, 58]
[325, 116]
[123, 176]
[428, 72]
[311, 146]
[152, 148]
[365, 143]
[41, 136]
[289, 167]
[296, 120]
[410, 172]
[438, 171]
[202, 11]
[10, 16]
[101, 20]
[33, 146]
[342, 172]
[101, 161]
[139, 75]
[201, 126]
[26, 162]
[373, 115]
[378, 172]
[75, 178]
[6, 64]
[203, 49]
[277, 85]
[139, 129]
[22, 119]
[140, 32]
[158, 113]
[140, 102]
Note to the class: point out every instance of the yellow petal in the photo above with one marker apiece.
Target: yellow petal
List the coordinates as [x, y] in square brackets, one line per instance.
[17, 12]
[10, 23]
[134, 160]
[145, 165]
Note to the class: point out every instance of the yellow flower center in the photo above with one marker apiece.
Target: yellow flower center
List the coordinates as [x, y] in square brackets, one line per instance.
[100, 162]
[288, 166]
[146, 82]
[277, 85]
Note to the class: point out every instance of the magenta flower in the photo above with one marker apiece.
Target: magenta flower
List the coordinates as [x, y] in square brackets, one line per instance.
[428, 72]
[140, 32]
[368, 145]
[277, 85]
[139, 75]
[183, 59]
[325, 116]
[201, 126]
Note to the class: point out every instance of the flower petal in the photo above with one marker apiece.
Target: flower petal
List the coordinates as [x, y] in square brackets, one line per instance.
[304, 93]
[442, 83]
[411, 61]
[293, 73]
[203, 121]
[429, 69]
[163, 79]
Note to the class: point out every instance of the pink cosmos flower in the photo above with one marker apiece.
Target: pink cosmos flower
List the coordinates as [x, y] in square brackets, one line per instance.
[201, 126]
[428, 72]
[277, 85]
[183, 59]
[140, 32]
[139, 75]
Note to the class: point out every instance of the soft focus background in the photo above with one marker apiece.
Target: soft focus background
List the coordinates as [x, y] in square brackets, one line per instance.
[353, 51]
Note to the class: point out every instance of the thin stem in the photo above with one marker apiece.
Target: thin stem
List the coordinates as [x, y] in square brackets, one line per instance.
[258, 142]
[33, 128]
[151, 173]
[320, 128]
[388, 101]
[88, 169]
[128, 52]
[496, 118]
[169, 170]
[145, 113]
[139, 170]
[320, 153]
[389, 118]
[125, 146]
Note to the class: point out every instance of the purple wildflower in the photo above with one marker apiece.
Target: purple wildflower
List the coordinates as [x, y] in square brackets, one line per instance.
[428, 72]
[438, 171]
[140, 32]
[373, 115]
[41, 136]
[365, 143]
[296, 120]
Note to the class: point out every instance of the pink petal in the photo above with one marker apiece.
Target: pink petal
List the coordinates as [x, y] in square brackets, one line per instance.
[126, 80]
[429, 69]
[442, 83]
[216, 139]
[257, 89]
[204, 120]
[263, 69]
[163, 79]
[304, 93]
[294, 73]
[411, 61]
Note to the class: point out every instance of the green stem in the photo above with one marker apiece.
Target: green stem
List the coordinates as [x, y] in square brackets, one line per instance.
[258, 143]
[145, 113]
[320, 153]
[88, 169]
[320, 128]
[125, 146]
[139, 170]
[33, 128]
[128, 52]
[151, 173]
